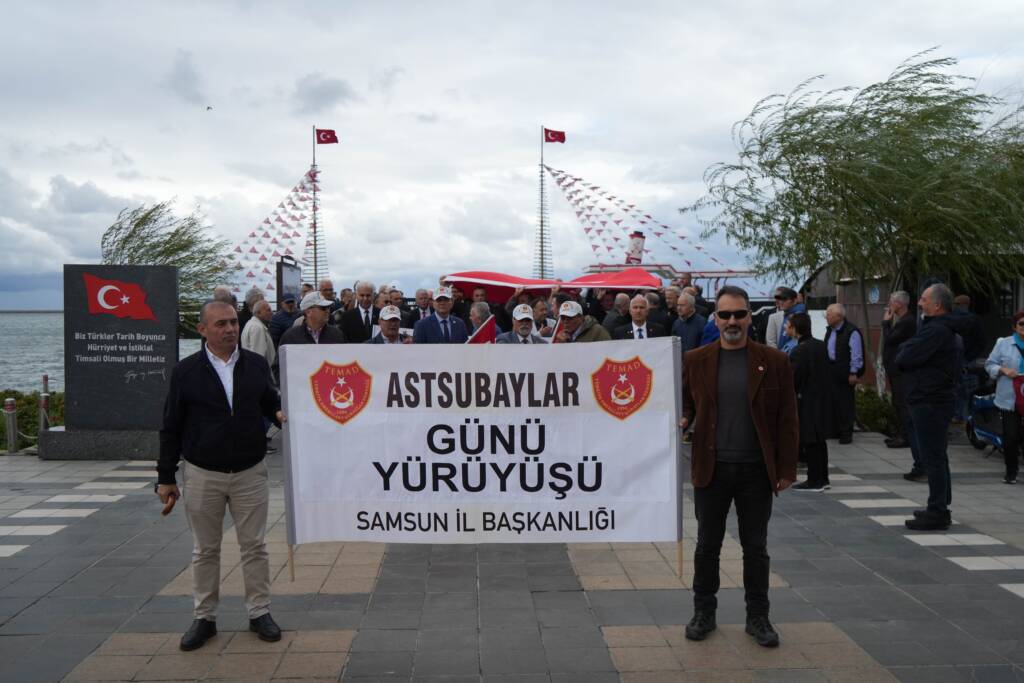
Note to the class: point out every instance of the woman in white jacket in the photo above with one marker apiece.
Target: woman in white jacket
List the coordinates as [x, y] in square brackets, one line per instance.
[1004, 364]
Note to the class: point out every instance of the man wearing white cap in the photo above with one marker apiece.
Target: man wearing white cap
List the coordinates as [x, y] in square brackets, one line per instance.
[442, 327]
[576, 327]
[390, 322]
[314, 328]
[522, 333]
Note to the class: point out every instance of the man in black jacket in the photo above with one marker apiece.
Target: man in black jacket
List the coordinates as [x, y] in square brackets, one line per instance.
[898, 325]
[639, 327]
[213, 420]
[357, 323]
[930, 361]
[314, 329]
[846, 355]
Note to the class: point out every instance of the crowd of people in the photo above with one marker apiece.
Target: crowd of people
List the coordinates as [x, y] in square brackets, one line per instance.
[754, 403]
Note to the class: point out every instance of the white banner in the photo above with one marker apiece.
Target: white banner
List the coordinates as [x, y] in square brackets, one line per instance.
[482, 443]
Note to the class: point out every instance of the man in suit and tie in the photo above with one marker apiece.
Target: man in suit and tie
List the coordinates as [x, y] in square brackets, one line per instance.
[522, 332]
[390, 320]
[639, 327]
[357, 324]
[441, 327]
[420, 310]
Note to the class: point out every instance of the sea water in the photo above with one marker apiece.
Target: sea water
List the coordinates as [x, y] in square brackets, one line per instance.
[33, 345]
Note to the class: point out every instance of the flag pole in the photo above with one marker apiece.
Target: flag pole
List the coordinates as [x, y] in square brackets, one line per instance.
[316, 236]
[314, 144]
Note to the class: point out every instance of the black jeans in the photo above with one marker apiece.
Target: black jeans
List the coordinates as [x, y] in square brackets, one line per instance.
[927, 431]
[899, 402]
[748, 485]
[816, 457]
[1011, 441]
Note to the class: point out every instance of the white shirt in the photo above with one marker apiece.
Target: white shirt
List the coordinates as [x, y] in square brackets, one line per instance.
[226, 373]
[524, 340]
[639, 327]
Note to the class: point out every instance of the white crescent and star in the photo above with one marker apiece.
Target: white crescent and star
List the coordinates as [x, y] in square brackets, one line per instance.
[324, 136]
[102, 301]
[551, 136]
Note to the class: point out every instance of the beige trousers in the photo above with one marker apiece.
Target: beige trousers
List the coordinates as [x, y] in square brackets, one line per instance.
[247, 495]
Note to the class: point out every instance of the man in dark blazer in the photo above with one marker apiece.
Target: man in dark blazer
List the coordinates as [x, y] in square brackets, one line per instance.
[898, 325]
[845, 346]
[639, 327]
[442, 327]
[213, 423]
[357, 323]
[810, 379]
[522, 332]
[739, 397]
[420, 310]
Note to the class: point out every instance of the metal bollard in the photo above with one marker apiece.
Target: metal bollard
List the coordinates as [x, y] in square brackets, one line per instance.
[11, 418]
[46, 384]
[44, 412]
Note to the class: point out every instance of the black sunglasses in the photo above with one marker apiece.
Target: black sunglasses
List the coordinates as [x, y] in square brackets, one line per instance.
[738, 315]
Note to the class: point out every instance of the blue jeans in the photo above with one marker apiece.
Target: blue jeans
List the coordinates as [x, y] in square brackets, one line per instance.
[927, 431]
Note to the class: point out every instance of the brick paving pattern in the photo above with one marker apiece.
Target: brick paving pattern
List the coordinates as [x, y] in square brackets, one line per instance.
[94, 586]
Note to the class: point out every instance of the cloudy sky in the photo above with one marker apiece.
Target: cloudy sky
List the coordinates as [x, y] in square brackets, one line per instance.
[438, 106]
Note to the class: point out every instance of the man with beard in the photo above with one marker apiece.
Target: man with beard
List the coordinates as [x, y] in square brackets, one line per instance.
[739, 397]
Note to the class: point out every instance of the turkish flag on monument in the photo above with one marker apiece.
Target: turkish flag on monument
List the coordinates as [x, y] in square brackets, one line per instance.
[554, 135]
[486, 333]
[113, 297]
[325, 136]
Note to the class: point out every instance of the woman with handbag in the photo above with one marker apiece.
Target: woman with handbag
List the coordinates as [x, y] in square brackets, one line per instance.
[1006, 365]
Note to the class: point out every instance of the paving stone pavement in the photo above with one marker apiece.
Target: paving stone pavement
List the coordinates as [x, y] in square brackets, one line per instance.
[94, 586]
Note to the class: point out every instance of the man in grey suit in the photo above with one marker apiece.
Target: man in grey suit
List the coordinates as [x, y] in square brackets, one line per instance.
[522, 333]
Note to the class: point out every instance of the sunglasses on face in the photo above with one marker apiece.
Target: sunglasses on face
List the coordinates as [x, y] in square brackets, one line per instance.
[1019, 323]
[738, 315]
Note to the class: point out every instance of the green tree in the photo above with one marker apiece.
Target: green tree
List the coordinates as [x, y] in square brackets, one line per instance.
[918, 173]
[155, 236]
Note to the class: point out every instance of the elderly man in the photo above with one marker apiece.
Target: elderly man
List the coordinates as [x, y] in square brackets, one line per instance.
[898, 325]
[357, 323]
[846, 363]
[314, 328]
[619, 315]
[283, 318]
[544, 325]
[255, 336]
[305, 289]
[639, 326]
[689, 326]
[655, 313]
[223, 293]
[397, 298]
[523, 324]
[671, 306]
[576, 327]
[479, 312]
[739, 396]
[420, 310]
[390, 321]
[213, 420]
[248, 307]
[929, 361]
[787, 302]
[326, 289]
[442, 327]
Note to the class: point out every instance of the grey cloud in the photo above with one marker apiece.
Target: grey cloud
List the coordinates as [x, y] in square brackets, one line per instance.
[184, 80]
[267, 173]
[67, 197]
[316, 93]
[386, 80]
[117, 156]
[427, 117]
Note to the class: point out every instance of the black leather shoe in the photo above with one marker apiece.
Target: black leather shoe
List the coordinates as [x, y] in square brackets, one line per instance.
[197, 634]
[897, 443]
[916, 475]
[843, 440]
[921, 514]
[700, 625]
[763, 631]
[927, 522]
[265, 628]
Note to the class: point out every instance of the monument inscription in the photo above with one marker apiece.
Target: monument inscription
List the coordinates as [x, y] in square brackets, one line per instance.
[120, 345]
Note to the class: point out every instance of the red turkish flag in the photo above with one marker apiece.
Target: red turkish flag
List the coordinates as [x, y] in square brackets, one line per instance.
[325, 136]
[554, 135]
[113, 297]
[486, 333]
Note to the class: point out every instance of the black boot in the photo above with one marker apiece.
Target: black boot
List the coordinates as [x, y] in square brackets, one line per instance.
[197, 634]
[929, 521]
[700, 625]
[265, 628]
[763, 631]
